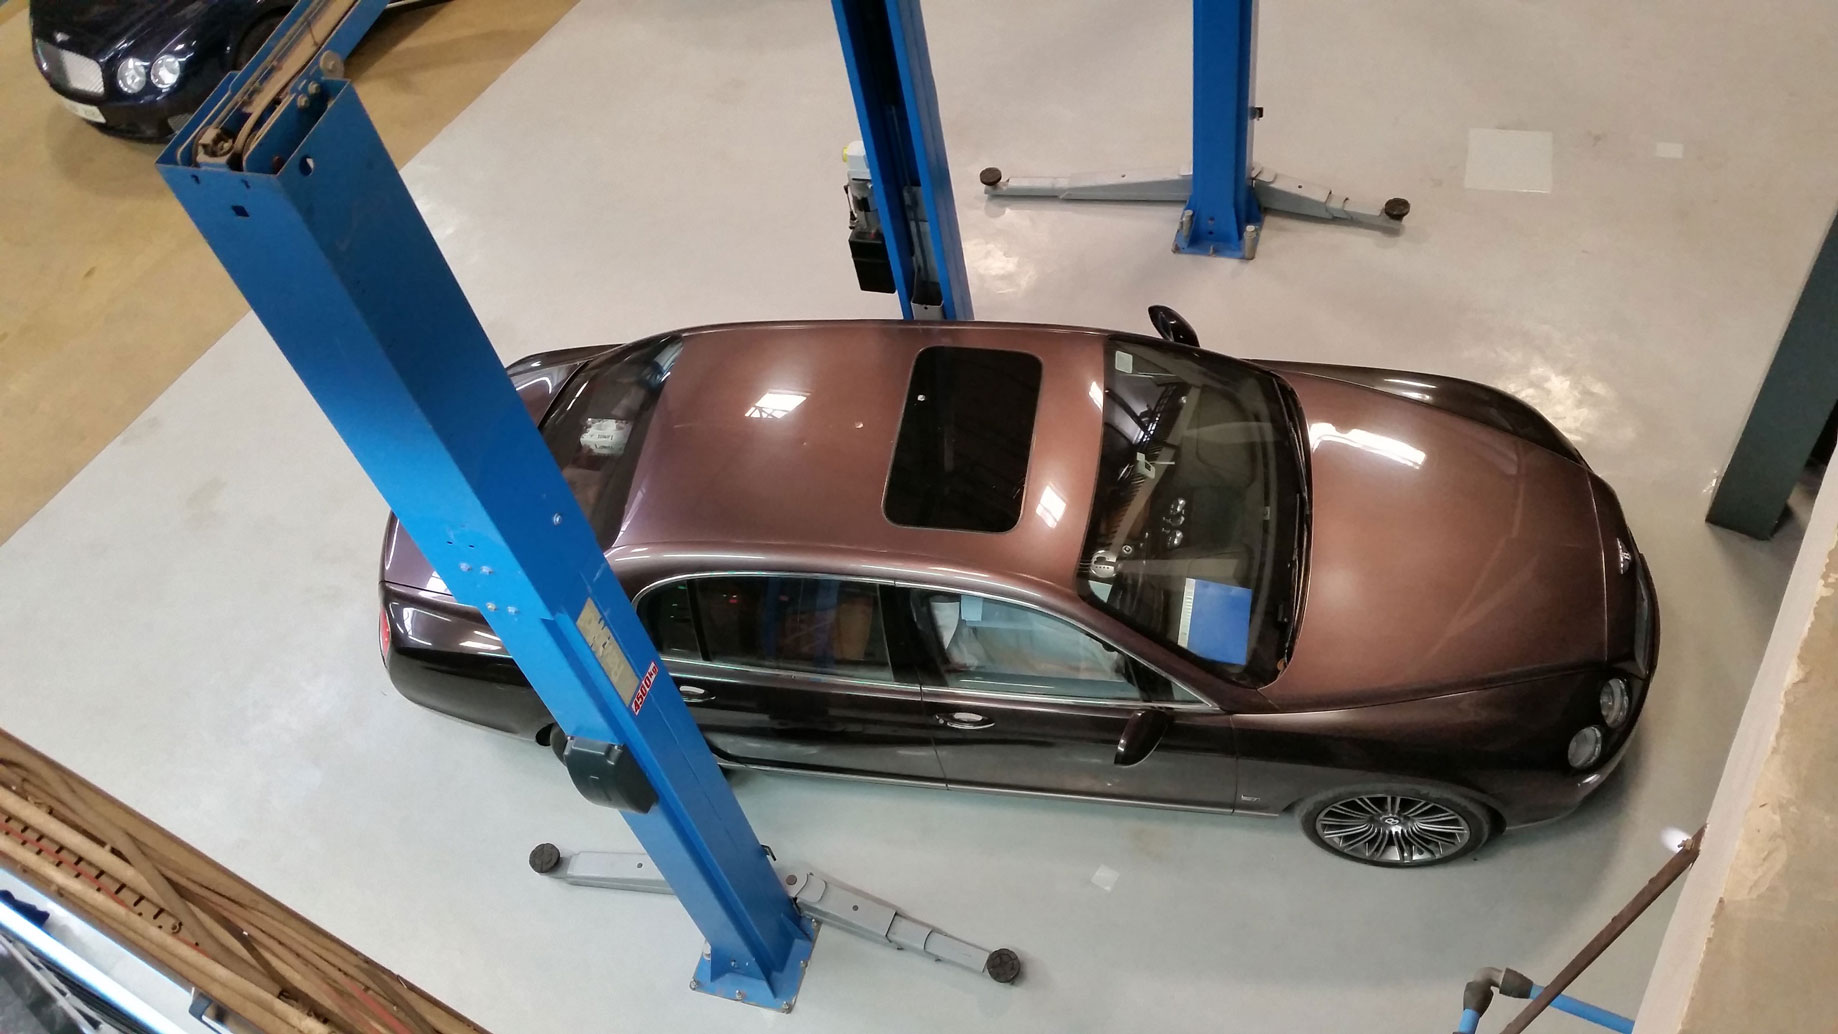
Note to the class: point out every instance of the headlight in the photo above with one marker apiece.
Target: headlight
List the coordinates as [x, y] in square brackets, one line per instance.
[166, 71]
[1586, 747]
[131, 75]
[1616, 701]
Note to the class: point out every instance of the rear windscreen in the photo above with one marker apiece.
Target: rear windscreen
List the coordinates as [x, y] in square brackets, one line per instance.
[961, 458]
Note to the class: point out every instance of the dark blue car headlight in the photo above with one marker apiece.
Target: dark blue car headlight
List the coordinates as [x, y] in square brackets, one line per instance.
[165, 70]
[131, 75]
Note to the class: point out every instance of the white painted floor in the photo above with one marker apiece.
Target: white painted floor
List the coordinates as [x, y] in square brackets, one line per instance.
[191, 622]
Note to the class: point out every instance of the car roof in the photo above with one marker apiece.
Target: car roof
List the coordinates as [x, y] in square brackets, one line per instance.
[724, 484]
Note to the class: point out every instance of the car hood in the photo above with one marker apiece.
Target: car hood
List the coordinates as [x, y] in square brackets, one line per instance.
[1444, 553]
[100, 27]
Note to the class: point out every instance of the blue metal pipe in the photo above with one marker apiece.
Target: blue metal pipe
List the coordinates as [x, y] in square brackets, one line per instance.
[1593, 1013]
[1470, 1020]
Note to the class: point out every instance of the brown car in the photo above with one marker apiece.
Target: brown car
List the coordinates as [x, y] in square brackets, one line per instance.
[1050, 560]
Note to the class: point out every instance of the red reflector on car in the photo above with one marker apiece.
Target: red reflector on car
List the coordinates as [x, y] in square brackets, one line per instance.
[383, 633]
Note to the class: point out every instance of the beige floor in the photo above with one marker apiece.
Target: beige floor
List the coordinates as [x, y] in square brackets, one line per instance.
[107, 293]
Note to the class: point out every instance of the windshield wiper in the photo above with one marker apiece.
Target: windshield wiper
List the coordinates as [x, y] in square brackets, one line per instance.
[1298, 554]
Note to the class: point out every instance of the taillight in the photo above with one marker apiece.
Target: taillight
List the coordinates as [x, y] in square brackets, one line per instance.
[383, 633]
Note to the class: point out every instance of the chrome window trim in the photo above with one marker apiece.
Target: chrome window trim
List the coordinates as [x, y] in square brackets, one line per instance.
[953, 693]
[721, 670]
[1198, 704]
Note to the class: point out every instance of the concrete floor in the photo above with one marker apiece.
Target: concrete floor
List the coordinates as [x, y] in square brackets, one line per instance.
[108, 292]
[190, 622]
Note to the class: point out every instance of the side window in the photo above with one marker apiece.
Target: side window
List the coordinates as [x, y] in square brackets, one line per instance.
[994, 647]
[803, 624]
[667, 617]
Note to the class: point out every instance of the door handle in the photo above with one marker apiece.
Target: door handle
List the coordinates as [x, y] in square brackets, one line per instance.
[963, 720]
[694, 694]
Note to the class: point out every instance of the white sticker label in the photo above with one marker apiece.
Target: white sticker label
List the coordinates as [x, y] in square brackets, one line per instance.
[612, 659]
[1126, 363]
[1185, 629]
[972, 609]
[606, 437]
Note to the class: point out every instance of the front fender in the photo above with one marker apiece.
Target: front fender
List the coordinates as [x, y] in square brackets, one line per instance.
[1468, 399]
[1503, 745]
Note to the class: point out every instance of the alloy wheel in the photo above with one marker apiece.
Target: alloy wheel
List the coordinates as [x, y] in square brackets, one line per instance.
[1393, 829]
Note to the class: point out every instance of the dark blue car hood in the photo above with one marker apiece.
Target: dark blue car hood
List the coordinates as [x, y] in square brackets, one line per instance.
[99, 28]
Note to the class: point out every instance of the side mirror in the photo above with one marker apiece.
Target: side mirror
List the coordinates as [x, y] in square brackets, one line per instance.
[1172, 327]
[1140, 735]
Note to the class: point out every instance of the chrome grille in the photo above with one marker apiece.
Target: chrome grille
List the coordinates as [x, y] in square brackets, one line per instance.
[69, 71]
[1644, 617]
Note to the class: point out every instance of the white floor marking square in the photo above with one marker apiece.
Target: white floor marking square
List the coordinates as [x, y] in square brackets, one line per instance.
[1509, 159]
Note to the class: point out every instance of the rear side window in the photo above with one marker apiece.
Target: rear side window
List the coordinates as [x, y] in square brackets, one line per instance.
[961, 459]
[597, 429]
[803, 624]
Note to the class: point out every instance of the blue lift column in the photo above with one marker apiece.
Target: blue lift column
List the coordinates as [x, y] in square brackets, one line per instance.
[890, 75]
[286, 178]
[1222, 211]
[1223, 193]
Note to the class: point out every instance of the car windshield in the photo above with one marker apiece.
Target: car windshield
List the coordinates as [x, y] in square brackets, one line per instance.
[597, 427]
[1199, 524]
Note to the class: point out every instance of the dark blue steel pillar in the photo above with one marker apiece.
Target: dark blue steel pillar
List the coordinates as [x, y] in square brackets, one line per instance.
[896, 101]
[1796, 398]
[329, 250]
[1222, 216]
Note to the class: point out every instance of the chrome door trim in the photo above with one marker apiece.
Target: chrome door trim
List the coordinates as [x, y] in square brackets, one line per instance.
[947, 693]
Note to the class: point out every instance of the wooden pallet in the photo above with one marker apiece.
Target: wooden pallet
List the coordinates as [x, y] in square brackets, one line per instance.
[266, 966]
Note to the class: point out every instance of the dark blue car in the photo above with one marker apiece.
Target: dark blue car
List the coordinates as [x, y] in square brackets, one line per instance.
[141, 67]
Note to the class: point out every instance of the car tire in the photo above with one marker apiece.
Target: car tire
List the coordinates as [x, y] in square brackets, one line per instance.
[1396, 825]
[253, 39]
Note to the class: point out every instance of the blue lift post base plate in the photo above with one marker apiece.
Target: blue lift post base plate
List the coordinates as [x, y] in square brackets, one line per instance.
[1240, 243]
[750, 990]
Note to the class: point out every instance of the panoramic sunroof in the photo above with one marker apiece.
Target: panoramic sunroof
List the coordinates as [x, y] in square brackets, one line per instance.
[960, 462]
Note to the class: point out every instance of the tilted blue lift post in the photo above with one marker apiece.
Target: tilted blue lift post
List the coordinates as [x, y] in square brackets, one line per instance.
[307, 212]
[890, 74]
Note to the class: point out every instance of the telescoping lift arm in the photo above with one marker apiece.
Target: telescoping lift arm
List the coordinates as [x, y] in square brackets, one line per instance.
[817, 896]
[287, 180]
